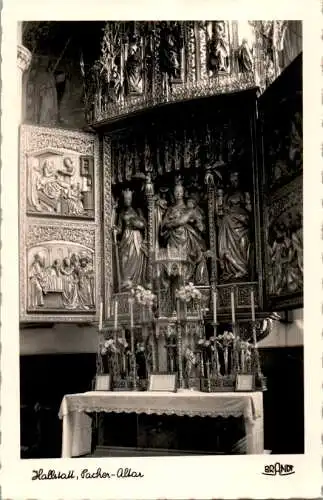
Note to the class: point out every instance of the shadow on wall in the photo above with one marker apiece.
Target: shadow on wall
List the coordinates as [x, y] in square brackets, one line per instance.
[44, 380]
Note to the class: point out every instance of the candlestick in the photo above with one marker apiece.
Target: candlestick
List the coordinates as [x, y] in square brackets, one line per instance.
[178, 309]
[108, 300]
[252, 299]
[116, 314]
[214, 306]
[131, 312]
[233, 313]
[133, 355]
[180, 356]
[208, 376]
[218, 361]
[101, 316]
[171, 362]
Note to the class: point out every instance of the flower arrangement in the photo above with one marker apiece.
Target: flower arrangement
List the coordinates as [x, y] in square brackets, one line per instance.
[143, 296]
[112, 346]
[226, 338]
[190, 360]
[109, 347]
[188, 292]
[140, 347]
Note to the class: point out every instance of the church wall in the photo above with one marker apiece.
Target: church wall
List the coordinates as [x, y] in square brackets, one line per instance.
[54, 93]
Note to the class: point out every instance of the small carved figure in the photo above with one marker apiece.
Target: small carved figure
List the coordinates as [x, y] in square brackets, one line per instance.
[34, 184]
[245, 58]
[69, 295]
[234, 231]
[159, 212]
[114, 85]
[37, 282]
[219, 49]
[279, 253]
[171, 43]
[85, 284]
[74, 200]
[134, 68]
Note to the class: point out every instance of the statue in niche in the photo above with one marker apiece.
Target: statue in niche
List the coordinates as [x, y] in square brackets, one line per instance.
[182, 234]
[171, 43]
[132, 249]
[133, 68]
[159, 212]
[234, 231]
[61, 283]
[219, 57]
[245, 58]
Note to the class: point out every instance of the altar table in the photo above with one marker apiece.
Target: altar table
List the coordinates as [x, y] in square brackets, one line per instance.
[77, 428]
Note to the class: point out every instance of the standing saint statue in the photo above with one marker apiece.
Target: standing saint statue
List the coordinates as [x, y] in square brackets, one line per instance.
[133, 68]
[132, 248]
[234, 231]
[181, 231]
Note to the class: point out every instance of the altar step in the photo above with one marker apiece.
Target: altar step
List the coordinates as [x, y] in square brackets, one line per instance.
[117, 451]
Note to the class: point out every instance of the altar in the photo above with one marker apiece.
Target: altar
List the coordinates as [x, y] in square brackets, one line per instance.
[77, 424]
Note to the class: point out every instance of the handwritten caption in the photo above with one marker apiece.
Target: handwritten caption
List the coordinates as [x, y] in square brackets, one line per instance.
[121, 473]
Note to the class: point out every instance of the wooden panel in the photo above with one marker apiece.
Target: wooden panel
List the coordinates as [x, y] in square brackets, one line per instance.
[282, 128]
[60, 250]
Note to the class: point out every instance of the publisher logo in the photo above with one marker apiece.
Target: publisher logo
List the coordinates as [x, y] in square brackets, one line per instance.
[278, 469]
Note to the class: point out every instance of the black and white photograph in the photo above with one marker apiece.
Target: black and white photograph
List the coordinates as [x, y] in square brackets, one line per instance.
[160, 245]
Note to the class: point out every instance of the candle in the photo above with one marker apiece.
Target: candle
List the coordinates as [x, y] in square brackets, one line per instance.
[116, 314]
[131, 312]
[214, 306]
[101, 316]
[218, 362]
[233, 314]
[178, 308]
[108, 300]
[252, 298]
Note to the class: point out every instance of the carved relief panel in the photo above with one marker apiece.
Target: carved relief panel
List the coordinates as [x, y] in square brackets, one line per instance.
[60, 183]
[59, 225]
[283, 168]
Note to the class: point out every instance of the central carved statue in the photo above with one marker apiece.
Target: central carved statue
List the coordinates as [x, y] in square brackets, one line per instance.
[181, 233]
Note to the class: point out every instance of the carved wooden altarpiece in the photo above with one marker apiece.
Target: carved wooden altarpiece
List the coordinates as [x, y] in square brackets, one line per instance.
[282, 128]
[60, 249]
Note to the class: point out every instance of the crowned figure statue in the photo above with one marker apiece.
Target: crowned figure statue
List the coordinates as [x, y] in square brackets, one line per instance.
[181, 233]
[132, 251]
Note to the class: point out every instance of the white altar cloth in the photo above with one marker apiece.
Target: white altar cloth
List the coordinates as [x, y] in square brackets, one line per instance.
[77, 425]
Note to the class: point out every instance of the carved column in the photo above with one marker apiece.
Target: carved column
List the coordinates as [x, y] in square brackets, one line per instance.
[209, 181]
[23, 63]
[150, 232]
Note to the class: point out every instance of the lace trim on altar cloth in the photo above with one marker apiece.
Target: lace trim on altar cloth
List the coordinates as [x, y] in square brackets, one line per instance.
[192, 407]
